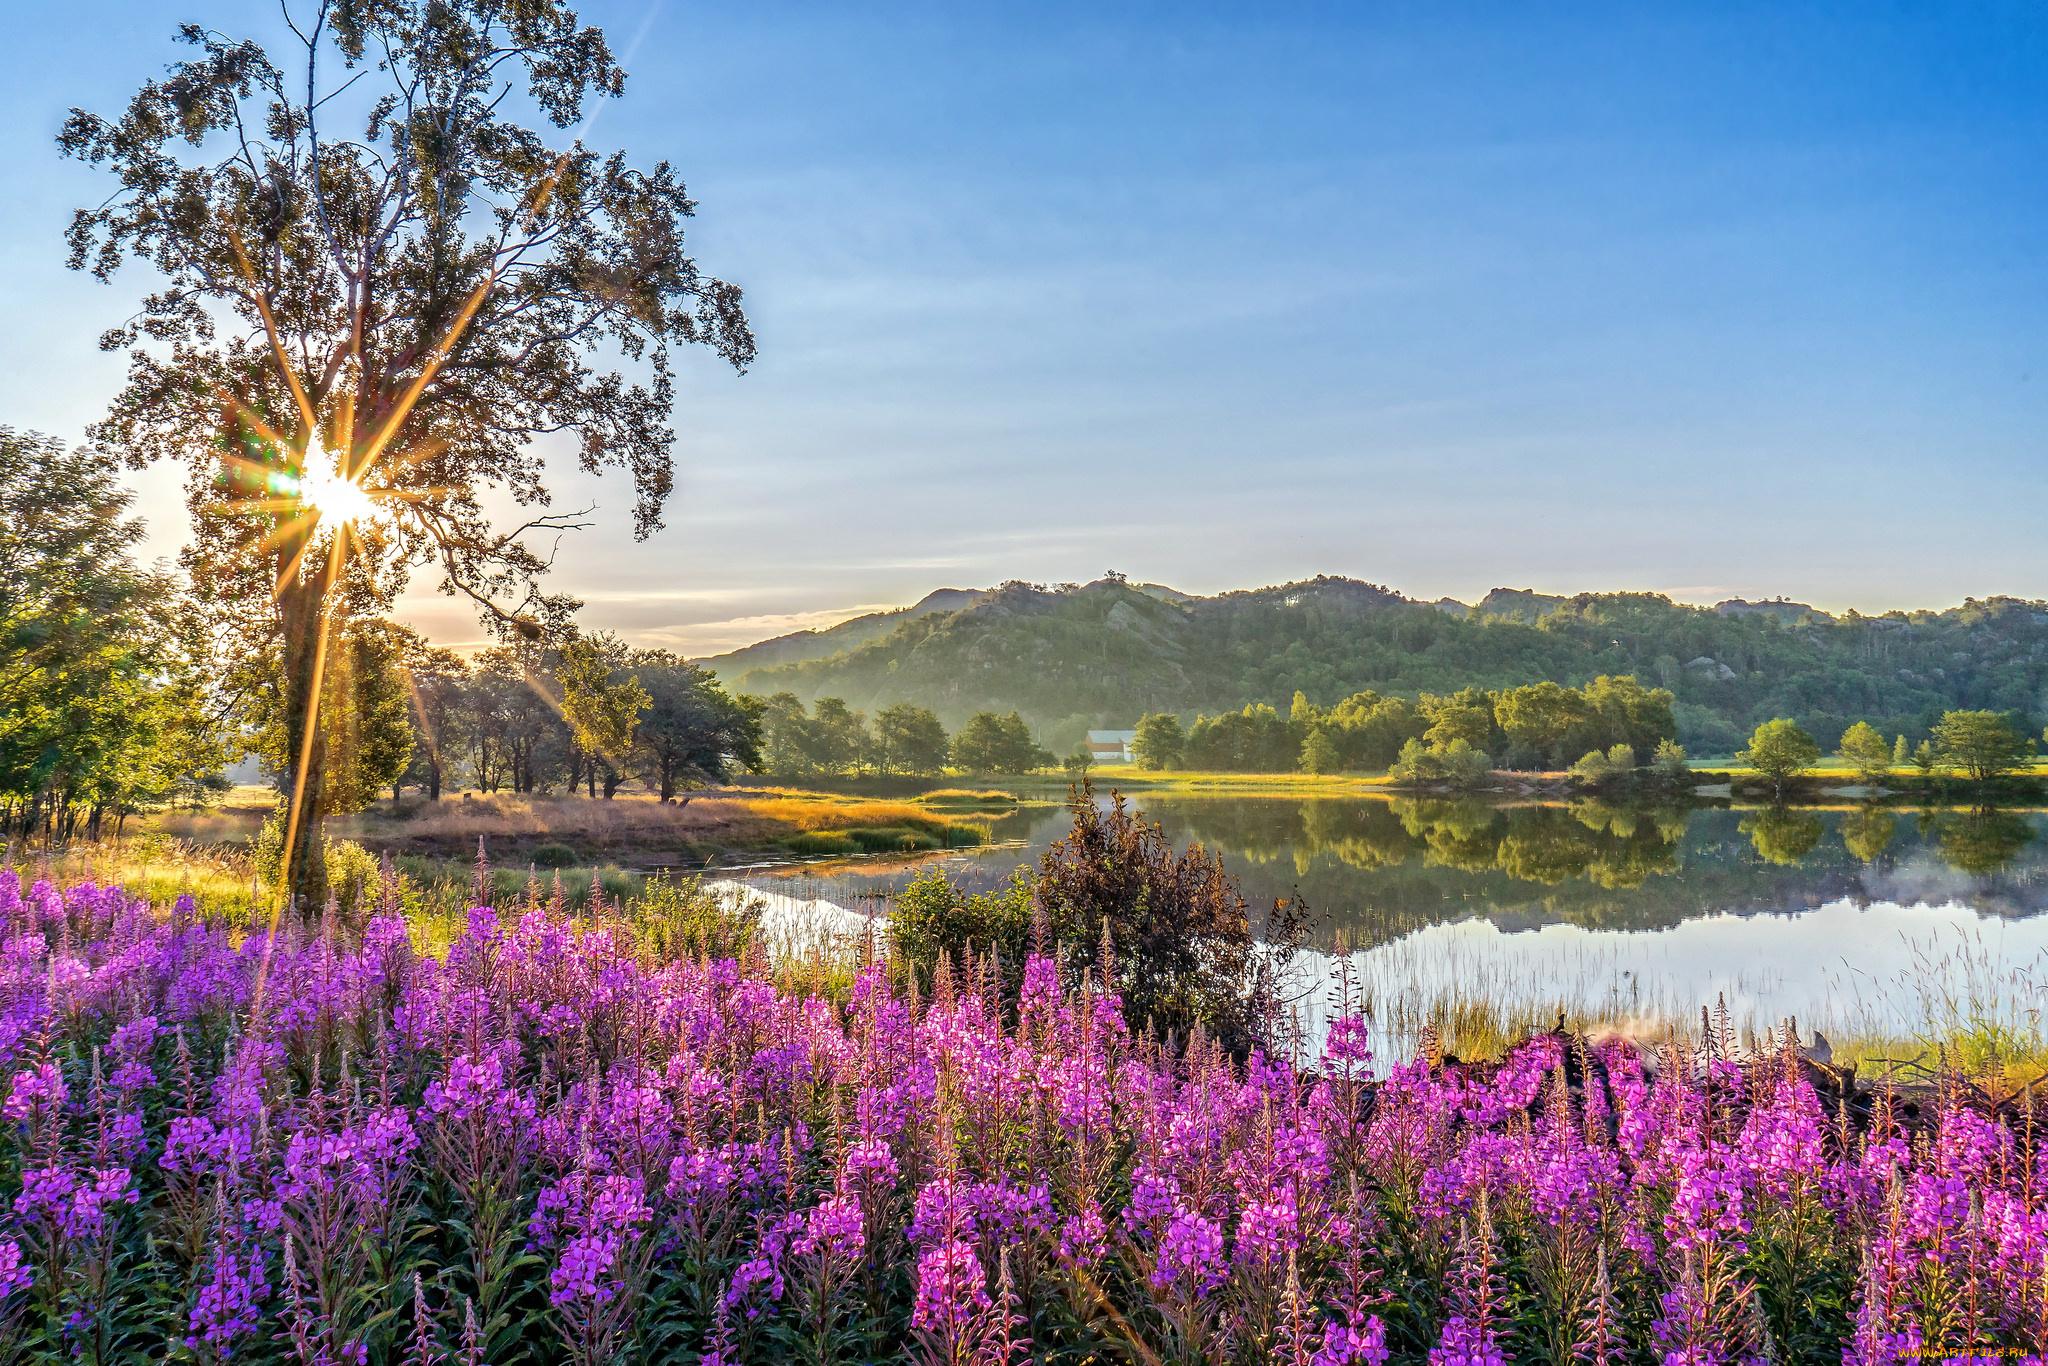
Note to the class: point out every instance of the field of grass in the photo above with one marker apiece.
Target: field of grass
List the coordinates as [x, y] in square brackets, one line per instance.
[630, 831]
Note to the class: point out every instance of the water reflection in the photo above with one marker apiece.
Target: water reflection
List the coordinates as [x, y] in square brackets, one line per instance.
[1383, 868]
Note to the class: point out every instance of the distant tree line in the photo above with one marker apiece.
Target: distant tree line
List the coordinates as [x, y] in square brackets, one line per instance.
[833, 739]
[1539, 726]
[1106, 649]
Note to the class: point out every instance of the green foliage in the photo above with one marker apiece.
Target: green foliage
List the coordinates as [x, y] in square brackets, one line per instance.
[1779, 750]
[1106, 649]
[834, 739]
[989, 743]
[1255, 740]
[602, 709]
[930, 918]
[680, 918]
[1167, 930]
[1865, 750]
[911, 740]
[554, 856]
[1457, 763]
[1618, 762]
[1159, 742]
[1077, 764]
[105, 704]
[1669, 761]
[1319, 753]
[354, 876]
[1983, 744]
[691, 730]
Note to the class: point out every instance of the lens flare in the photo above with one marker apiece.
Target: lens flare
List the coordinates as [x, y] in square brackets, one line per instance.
[324, 488]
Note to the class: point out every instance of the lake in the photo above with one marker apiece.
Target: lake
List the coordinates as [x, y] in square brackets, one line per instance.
[1836, 915]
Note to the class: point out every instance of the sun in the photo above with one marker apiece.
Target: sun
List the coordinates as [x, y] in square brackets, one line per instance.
[323, 489]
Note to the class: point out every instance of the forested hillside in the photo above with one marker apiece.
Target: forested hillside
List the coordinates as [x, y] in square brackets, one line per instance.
[1104, 653]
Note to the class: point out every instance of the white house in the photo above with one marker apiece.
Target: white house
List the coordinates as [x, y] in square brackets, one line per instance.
[1111, 746]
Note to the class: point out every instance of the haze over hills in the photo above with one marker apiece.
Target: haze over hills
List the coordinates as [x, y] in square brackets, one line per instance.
[1102, 654]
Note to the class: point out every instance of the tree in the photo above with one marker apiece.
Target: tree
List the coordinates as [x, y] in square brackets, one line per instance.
[691, 730]
[1618, 762]
[1669, 761]
[838, 736]
[1902, 752]
[107, 703]
[1466, 715]
[369, 732]
[438, 681]
[1629, 714]
[785, 735]
[362, 334]
[1542, 718]
[602, 709]
[911, 739]
[989, 743]
[1926, 758]
[1319, 753]
[1255, 740]
[1983, 744]
[1865, 751]
[1779, 750]
[1078, 763]
[1159, 741]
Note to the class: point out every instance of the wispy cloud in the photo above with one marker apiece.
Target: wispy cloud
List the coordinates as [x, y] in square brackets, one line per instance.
[714, 637]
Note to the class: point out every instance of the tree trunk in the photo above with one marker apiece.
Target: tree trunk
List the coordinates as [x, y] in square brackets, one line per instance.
[612, 779]
[305, 871]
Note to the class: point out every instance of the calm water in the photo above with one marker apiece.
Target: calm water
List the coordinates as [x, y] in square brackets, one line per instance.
[1815, 912]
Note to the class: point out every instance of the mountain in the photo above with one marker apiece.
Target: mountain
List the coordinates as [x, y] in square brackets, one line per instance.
[1104, 653]
[799, 646]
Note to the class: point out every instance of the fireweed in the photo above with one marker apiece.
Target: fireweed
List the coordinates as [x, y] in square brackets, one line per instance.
[548, 1147]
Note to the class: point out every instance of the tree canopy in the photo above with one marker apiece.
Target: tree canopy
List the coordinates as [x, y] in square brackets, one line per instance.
[378, 287]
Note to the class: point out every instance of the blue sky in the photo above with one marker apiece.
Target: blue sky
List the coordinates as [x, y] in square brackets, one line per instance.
[1711, 299]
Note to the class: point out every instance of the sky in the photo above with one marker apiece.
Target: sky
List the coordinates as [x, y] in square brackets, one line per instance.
[1715, 299]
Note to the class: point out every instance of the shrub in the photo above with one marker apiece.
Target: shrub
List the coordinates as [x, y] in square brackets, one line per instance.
[1618, 761]
[1176, 940]
[930, 917]
[554, 856]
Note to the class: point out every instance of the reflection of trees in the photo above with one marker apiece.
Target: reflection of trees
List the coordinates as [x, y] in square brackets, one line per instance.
[1983, 840]
[1782, 835]
[1459, 834]
[1868, 832]
[1381, 868]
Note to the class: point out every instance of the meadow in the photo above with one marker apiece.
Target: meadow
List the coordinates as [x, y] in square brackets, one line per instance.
[587, 1139]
